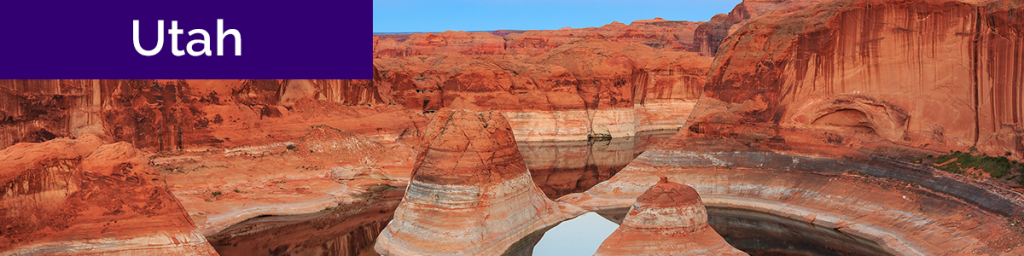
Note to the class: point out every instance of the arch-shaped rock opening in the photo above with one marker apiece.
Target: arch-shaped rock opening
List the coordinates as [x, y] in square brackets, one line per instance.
[848, 120]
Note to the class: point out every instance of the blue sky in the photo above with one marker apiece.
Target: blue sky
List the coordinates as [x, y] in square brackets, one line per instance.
[485, 15]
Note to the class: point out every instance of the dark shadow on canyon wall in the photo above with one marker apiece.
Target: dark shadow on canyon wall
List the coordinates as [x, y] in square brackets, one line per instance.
[564, 167]
[346, 230]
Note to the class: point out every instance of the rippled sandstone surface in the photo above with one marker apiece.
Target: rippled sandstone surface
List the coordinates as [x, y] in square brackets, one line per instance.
[470, 194]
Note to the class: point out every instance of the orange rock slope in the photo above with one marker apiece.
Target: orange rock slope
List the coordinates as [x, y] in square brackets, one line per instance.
[667, 219]
[470, 194]
[80, 197]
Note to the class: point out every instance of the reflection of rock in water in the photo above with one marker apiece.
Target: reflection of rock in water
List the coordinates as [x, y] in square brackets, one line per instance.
[764, 234]
[564, 167]
[347, 230]
[614, 215]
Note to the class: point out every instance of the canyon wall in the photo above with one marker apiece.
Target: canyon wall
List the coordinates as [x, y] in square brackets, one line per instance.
[937, 75]
[188, 114]
[829, 106]
[567, 84]
[587, 88]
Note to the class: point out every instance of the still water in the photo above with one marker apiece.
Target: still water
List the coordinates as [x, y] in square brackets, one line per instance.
[558, 168]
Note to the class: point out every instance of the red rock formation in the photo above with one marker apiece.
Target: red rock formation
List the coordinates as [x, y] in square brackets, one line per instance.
[667, 219]
[470, 194]
[592, 88]
[328, 153]
[612, 81]
[184, 114]
[937, 75]
[904, 208]
[41, 110]
[65, 197]
[656, 33]
[709, 35]
[448, 42]
[874, 83]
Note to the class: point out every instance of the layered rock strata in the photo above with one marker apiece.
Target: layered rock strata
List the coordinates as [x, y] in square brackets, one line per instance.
[81, 197]
[906, 209]
[668, 219]
[233, 149]
[470, 194]
[579, 90]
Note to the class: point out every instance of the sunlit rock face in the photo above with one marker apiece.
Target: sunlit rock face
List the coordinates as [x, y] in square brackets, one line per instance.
[709, 35]
[667, 219]
[553, 85]
[470, 194]
[582, 89]
[73, 197]
[818, 114]
[934, 75]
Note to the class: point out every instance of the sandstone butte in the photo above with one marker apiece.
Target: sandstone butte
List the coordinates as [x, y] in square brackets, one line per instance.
[818, 114]
[667, 219]
[470, 193]
[81, 197]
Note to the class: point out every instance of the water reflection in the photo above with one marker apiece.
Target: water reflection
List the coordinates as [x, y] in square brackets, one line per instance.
[347, 230]
[564, 167]
[579, 236]
[764, 234]
[558, 168]
[760, 233]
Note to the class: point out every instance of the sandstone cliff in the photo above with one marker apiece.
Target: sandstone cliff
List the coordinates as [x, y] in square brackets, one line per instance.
[827, 107]
[667, 219]
[709, 35]
[588, 88]
[937, 75]
[471, 190]
[75, 197]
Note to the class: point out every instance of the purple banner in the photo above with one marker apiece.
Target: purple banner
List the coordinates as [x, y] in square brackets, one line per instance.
[96, 40]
